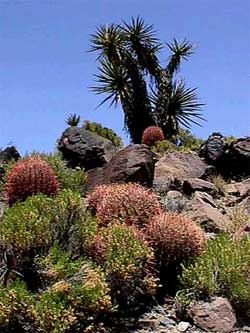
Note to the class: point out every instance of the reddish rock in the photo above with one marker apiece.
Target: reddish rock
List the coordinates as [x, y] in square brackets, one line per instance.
[202, 210]
[174, 168]
[195, 184]
[215, 316]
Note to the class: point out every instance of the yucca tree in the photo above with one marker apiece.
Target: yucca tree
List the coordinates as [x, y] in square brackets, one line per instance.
[130, 73]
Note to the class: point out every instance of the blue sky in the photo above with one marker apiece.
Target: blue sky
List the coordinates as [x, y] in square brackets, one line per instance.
[46, 71]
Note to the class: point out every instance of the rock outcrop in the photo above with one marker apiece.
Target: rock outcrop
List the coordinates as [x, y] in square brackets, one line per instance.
[80, 147]
[135, 163]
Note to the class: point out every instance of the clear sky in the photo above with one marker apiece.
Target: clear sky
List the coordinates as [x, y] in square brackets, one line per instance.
[46, 71]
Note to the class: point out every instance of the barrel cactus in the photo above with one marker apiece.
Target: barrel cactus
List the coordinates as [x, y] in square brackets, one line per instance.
[130, 203]
[174, 238]
[151, 135]
[30, 176]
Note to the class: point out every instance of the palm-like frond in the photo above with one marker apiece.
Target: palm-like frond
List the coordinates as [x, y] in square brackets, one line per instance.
[108, 41]
[179, 107]
[141, 41]
[183, 105]
[179, 51]
[73, 119]
[114, 81]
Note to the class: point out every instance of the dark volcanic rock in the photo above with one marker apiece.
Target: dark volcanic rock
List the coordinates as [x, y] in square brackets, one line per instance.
[238, 158]
[232, 161]
[213, 149]
[6, 155]
[9, 153]
[83, 148]
[135, 163]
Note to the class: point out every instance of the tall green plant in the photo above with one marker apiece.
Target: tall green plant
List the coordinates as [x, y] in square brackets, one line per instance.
[130, 73]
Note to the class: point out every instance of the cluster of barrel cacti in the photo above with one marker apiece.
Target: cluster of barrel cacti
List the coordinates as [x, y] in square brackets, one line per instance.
[151, 135]
[173, 237]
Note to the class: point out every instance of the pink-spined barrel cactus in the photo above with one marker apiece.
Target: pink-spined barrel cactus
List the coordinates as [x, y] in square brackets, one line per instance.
[174, 238]
[30, 176]
[130, 203]
[151, 135]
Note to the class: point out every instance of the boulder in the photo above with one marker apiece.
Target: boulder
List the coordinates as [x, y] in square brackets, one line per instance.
[231, 160]
[195, 184]
[215, 316]
[134, 163]
[80, 147]
[213, 148]
[238, 157]
[239, 189]
[202, 210]
[173, 168]
[8, 154]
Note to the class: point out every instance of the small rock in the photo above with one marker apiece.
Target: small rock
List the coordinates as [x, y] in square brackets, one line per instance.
[214, 316]
[183, 326]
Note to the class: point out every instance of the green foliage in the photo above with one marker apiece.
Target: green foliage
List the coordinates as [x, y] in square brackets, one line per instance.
[164, 146]
[128, 57]
[17, 309]
[105, 132]
[73, 120]
[72, 301]
[224, 269]
[26, 225]
[183, 141]
[229, 139]
[128, 263]
[68, 214]
[72, 179]
[187, 141]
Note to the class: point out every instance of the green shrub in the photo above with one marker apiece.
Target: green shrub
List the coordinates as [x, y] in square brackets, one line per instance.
[69, 179]
[130, 203]
[164, 146]
[73, 119]
[105, 132]
[27, 177]
[128, 263]
[224, 269]
[77, 300]
[26, 225]
[68, 214]
[17, 309]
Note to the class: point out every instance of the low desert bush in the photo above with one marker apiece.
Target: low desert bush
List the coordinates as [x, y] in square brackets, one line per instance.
[223, 269]
[105, 132]
[128, 263]
[68, 178]
[130, 203]
[26, 225]
[17, 309]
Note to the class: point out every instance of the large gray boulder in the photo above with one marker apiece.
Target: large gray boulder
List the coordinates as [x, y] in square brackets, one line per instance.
[134, 163]
[85, 149]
